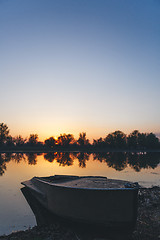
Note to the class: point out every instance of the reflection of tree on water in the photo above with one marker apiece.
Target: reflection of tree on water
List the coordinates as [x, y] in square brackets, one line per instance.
[67, 158]
[32, 158]
[116, 160]
[7, 157]
[64, 159]
[139, 161]
[50, 156]
[4, 158]
[18, 157]
[120, 160]
[101, 157]
[2, 165]
[82, 158]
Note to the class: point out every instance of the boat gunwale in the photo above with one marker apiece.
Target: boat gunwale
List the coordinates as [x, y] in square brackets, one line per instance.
[85, 188]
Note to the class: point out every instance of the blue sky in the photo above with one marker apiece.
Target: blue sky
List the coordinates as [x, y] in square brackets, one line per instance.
[69, 66]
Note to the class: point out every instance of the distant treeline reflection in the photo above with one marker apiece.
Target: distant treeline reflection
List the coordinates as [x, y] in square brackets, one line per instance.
[116, 160]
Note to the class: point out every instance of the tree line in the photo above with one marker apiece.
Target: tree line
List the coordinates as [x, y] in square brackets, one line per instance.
[116, 140]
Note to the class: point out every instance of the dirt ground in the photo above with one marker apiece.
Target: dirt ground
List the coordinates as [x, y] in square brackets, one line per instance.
[147, 227]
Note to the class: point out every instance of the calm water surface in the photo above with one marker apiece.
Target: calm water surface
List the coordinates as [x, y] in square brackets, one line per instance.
[15, 213]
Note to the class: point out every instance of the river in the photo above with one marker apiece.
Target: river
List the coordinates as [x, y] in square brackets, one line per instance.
[15, 213]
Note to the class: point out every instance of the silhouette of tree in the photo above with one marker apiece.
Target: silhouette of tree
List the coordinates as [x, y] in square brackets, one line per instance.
[116, 139]
[82, 140]
[19, 141]
[137, 140]
[141, 141]
[152, 141]
[99, 143]
[133, 139]
[33, 139]
[50, 142]
[65, 139]
[4, 131]
[10, 141]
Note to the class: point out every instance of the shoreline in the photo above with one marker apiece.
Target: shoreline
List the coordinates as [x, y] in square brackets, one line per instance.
[81, 150]
[147, 227]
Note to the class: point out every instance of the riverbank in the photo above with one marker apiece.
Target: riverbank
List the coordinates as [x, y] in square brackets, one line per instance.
[147, 227]
[84, 150]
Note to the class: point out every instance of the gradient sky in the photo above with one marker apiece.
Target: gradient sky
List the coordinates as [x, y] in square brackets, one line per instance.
[68, 66]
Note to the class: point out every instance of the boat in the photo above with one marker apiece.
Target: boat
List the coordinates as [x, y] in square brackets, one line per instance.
[88, 199]
[41, 214]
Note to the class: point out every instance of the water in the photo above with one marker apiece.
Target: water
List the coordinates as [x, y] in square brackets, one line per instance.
[15, 213]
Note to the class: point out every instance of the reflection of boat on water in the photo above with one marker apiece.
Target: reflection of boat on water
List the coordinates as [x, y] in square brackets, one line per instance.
[42, 215]
[91, 200]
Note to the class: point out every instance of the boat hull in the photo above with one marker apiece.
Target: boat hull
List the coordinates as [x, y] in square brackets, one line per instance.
[107, 207]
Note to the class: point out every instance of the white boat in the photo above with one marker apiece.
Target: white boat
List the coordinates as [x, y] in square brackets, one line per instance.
[94, 200]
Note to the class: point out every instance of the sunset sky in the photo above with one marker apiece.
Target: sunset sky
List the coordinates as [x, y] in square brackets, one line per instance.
[70, 66]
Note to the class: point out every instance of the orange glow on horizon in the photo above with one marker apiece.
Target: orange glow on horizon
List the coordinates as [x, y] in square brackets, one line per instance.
[45, 132]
